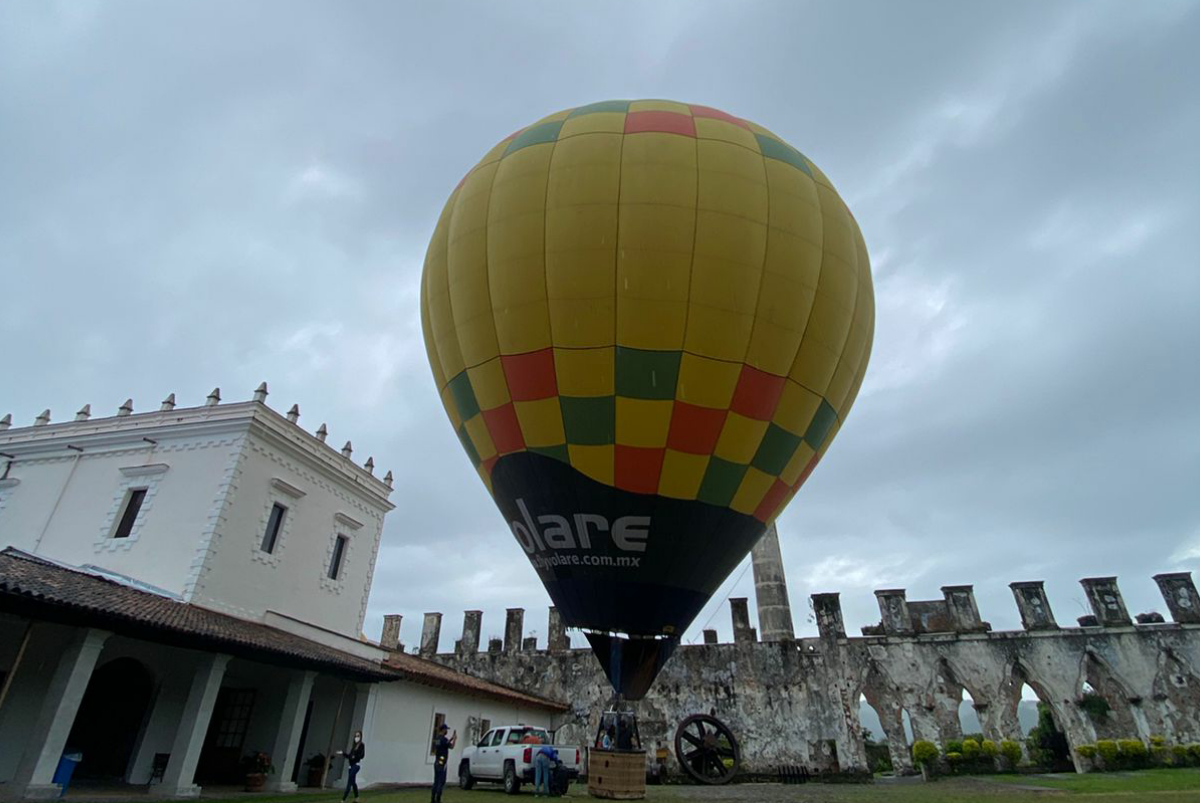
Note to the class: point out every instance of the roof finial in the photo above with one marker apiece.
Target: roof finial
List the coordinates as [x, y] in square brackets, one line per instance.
[370, 465]
[168, 404]
[347, 450]
[5, 422]
[126, 408]
[85, 412]
[387, 479]
[260, 392]
[322, 432]
[294, 413]
[214, 398]
[43, 419]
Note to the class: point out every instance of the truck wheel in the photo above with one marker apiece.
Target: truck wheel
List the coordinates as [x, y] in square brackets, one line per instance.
[512, 784]
[465, 781]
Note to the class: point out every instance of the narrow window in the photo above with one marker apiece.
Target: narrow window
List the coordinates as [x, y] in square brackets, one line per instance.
[274, 523]
[438, 720]
[339, 552]
[133, 505]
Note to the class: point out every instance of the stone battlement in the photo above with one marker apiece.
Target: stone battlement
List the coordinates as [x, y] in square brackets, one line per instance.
[796, 701]
[955, 614]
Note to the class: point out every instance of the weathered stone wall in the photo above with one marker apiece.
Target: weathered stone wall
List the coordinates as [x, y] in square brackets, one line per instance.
[796, 702]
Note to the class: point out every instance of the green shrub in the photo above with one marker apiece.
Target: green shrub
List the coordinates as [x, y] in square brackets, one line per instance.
[1012, 753]
[1179, 755]
[954, 759]
[1087, 751]
[925, 752]
[1109, 752]
[1158, 741]
[970, 750]
[1133, 752]
[952, 746]
[990, 750]
[1194, 753]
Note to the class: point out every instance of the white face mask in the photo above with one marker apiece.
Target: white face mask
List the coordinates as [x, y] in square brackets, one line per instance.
[357, 739]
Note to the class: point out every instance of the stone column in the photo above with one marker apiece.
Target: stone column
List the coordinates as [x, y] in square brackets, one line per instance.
[495, 646]
[431, 632]
[44, 743]
[964, 612]
[514, 628]
[1105, 599]
[558, 640]
[390, 638]
[364, 699]
[193, 725]
[739, 610]
[1033, 605]
[828, 610]
[770, 589]
[472, 624]
[529, 644]
[1179, 592]
[287, 736]
[893, 612]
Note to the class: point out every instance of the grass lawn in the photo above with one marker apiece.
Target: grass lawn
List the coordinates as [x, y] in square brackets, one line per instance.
[1169, 780]
[1157, 786]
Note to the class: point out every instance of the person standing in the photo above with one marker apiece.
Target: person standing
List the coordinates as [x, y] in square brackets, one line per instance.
[441, 754]
[354, 754]
[541, 770]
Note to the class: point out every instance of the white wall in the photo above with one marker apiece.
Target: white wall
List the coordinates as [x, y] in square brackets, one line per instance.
[398, 729]
[212, 475]
[65, 506]
[243, 580]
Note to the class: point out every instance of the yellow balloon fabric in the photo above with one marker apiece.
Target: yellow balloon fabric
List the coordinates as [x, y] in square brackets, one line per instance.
[669, 299]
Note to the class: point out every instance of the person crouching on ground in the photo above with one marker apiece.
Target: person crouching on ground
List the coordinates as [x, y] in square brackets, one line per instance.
[441, 752]
[542, 762]
[354, 754]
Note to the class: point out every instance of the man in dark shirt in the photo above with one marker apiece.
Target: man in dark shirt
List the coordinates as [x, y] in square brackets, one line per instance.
[441, 754]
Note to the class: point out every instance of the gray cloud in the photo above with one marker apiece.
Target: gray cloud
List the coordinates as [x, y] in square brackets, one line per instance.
[201, 194]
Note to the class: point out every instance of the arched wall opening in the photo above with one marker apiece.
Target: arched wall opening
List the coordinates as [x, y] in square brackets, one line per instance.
[1105, 701]
[968, 718]
[875, 739]
[111, 717]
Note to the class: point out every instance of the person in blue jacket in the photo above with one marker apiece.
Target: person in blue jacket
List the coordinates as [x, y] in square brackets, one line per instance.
[542, 762]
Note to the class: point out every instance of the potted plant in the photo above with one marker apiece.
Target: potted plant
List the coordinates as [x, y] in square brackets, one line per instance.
[257, 766]
[316, 768]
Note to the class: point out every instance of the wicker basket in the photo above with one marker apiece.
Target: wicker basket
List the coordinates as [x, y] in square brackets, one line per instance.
[617, 775]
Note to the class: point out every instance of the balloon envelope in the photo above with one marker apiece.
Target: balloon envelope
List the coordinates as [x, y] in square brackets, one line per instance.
[647, 320]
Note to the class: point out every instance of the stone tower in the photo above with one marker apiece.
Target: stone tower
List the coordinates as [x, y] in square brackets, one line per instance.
[770, 589]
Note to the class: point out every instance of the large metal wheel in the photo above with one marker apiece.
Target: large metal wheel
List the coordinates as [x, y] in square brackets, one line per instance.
[707, 750]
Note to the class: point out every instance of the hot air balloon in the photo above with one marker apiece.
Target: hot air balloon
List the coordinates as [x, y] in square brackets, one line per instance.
[647, 321]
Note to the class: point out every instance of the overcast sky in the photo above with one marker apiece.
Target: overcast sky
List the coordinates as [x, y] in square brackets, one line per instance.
[199, 194]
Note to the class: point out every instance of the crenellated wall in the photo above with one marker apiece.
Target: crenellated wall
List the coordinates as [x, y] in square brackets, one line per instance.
[796, 702]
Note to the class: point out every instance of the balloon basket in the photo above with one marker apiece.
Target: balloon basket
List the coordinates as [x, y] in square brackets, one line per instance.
[617, 762]
[617, 774]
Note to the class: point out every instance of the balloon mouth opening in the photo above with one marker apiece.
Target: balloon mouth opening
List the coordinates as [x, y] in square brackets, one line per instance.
[631, 662]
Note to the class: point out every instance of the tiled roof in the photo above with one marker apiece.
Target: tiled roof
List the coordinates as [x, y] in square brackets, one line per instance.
[40, 589]
[44, 589]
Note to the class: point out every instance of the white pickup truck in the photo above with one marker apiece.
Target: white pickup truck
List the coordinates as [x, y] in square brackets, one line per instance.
[505, 755]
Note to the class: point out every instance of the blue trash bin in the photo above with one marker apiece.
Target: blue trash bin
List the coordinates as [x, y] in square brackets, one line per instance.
[66, 768]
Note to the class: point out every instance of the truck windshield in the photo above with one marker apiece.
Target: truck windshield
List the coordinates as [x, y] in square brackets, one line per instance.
[528, 736]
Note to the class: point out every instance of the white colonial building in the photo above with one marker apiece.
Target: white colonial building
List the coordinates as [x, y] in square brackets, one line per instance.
[183, 587]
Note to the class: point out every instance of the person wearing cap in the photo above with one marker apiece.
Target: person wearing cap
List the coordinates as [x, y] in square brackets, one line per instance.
[442, 745]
